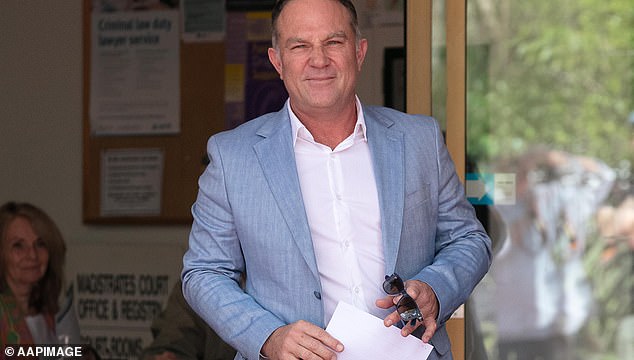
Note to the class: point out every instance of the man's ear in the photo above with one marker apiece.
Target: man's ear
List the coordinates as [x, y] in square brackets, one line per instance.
[274, 58]
[362, 49]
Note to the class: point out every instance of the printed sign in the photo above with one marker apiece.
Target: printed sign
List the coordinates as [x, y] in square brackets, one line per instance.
[115, 304]
[489, 189]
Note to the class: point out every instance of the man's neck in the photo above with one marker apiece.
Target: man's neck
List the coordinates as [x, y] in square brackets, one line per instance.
[330, 128]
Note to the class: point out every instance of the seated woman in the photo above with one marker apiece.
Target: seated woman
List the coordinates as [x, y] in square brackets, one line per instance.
[32, 253]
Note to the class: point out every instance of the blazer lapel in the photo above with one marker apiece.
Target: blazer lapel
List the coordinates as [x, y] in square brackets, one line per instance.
[387, 149]
[277, 158]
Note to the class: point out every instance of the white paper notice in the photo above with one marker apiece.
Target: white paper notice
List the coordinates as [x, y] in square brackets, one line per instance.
[203, 20]
[135, 73]
[131, 182]
[365, 337]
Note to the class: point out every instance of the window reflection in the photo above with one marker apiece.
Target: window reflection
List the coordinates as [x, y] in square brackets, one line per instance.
[550, 93]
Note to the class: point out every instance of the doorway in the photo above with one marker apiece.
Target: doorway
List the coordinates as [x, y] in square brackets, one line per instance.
[540, 95]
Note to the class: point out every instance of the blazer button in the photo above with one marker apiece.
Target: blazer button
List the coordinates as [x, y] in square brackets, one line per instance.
[317, 295]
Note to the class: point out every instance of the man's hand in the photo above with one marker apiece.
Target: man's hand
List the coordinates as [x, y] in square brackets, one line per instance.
[301, 340]
[427, 303]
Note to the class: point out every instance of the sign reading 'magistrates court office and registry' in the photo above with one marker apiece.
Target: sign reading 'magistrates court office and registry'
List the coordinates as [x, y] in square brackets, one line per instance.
[118, 290]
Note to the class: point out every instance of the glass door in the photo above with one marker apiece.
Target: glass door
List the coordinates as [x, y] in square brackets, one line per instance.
[550, 150]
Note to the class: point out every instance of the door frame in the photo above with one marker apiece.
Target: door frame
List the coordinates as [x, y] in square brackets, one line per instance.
[418, 50]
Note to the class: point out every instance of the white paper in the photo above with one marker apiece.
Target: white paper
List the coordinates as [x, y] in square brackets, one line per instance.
[365, 337]
[203, 20]
[131, 182]
[135, 77]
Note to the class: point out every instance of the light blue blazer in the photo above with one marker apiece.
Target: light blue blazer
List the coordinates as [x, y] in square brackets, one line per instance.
[249, 218]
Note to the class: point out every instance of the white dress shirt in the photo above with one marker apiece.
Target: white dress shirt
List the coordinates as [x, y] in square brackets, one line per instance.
[342, 206]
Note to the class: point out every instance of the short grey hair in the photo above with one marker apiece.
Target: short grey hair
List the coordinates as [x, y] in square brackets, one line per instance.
[279, 6]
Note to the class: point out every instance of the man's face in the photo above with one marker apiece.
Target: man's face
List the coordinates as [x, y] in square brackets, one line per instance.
[318, 57]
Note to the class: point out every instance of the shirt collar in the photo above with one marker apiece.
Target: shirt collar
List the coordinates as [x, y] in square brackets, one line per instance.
[299, 130]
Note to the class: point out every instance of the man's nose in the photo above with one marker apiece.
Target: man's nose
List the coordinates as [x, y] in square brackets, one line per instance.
[319, 57]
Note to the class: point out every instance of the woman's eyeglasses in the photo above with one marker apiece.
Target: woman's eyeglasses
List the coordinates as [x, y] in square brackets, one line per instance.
[406, 306]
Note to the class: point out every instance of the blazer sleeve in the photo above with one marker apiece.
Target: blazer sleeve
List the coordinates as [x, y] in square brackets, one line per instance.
[463, 248]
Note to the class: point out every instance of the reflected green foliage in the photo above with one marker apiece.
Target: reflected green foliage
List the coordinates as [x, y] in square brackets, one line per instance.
[558, 73]
[609, 268]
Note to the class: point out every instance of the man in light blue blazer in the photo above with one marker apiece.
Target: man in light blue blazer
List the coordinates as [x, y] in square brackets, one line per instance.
[316, 203]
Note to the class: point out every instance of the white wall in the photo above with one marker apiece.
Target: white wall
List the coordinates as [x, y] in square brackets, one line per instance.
[383, 29]
[41, 120]
[41, 116]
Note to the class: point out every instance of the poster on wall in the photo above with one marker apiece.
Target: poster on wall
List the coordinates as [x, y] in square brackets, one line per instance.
[115, 305]
[252, 85]
[131, 182]
[203, 20]
[250, 5]
[134, 72]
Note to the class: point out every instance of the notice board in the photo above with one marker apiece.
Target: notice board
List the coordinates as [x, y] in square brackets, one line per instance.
[171, 161]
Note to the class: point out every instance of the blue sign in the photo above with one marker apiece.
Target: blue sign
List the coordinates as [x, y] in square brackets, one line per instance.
[480, 188]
